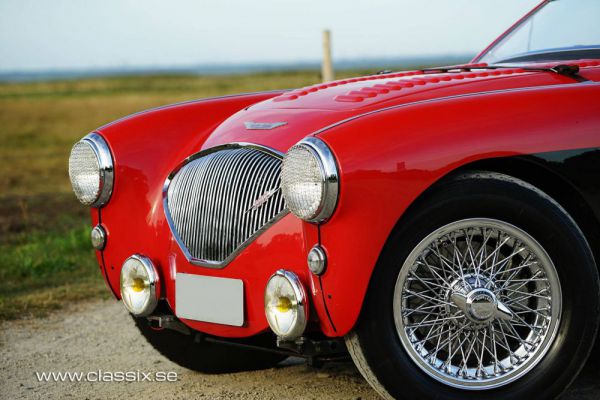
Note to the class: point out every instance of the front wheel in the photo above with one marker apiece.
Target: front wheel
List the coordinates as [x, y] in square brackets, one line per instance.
[488, 290]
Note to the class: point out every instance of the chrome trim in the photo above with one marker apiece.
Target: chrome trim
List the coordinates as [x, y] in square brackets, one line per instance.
[152, 277]
[98, 237]
[316, 260]
[302, 303]
[227, 168]
[105, 162]
[252, 126]
[329, 177]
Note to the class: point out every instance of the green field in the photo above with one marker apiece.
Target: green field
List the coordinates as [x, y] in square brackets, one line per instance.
[45, 255]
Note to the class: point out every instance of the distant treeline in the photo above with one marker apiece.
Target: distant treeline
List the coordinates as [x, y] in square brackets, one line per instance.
[376, 64]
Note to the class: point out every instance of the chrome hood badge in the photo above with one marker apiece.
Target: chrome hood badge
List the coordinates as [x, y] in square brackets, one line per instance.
[263, 125]
[262, 199]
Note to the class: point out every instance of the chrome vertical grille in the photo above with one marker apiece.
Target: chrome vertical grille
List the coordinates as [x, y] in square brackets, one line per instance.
[219, 201]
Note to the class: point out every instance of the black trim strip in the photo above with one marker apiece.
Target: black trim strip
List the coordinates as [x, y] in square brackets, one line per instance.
[103, 261]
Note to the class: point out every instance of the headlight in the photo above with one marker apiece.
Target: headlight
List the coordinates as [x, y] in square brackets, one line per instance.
[285, 305]
[139, 282]
[91, 170]
[309, 180]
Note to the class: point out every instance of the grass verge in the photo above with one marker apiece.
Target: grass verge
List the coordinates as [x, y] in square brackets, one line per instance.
[46, 263]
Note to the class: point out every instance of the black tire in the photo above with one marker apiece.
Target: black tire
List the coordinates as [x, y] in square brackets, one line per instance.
[194, 353]
[374, 344]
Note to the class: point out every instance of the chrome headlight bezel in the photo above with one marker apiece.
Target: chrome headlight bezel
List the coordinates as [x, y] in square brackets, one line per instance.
[329, 175]
[105, 168]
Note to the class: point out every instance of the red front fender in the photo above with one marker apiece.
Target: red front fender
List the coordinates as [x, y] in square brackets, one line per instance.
[387, 159]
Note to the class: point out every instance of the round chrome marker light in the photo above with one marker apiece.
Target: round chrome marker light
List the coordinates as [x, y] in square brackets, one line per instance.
[98, 237]
[316, 260]
[91, 170]
[309, 180]
[286, 305]
[138, 285]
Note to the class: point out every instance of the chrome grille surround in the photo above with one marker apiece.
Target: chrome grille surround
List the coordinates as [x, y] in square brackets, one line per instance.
[219, 200]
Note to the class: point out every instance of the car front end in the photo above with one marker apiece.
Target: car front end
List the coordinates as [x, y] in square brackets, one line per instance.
[247, 200]
[209, 234]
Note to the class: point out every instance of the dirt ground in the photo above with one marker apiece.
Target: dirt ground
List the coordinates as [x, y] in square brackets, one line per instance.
[100, 335]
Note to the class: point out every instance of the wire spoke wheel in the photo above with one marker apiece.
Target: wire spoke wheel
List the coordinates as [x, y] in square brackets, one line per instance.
[477, 303]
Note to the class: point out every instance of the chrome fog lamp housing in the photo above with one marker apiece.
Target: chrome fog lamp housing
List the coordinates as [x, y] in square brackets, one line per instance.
[91, 170]
[310, 181]
[139, 281]
[286, 305]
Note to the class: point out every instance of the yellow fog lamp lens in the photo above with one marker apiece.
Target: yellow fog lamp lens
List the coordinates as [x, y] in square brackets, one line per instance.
[138, 285]
[284, 305]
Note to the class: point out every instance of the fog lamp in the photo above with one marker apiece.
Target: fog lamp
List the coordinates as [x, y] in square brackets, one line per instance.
[286, 305]
[139, 280]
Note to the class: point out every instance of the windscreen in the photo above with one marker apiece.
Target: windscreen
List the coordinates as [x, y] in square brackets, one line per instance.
[559, 30]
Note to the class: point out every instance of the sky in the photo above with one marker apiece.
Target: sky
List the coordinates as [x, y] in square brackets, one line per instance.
[38, 35]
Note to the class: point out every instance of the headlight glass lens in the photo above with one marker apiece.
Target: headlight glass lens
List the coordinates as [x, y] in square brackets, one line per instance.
[309, 180]
[84, 171]
[302, 182]
[283, 308]
[91, 170]
[138, 285]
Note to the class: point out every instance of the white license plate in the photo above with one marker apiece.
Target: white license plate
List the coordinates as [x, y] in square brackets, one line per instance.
[210, 299]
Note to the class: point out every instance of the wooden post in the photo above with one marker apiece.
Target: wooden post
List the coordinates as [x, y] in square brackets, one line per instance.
[327, 67]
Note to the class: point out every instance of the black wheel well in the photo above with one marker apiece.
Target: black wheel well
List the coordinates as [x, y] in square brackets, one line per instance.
[553, 184]
[548, 181]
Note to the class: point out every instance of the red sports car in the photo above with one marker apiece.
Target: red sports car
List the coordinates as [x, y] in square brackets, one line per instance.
[441, 226]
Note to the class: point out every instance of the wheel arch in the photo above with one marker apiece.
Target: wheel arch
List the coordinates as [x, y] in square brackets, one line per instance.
[555, 185]
[527, 169]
